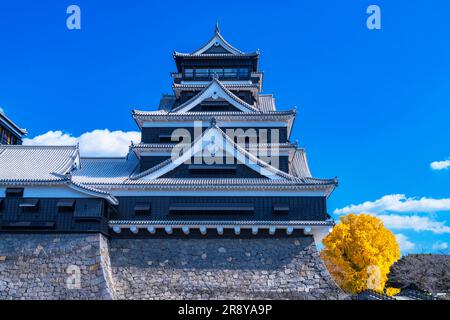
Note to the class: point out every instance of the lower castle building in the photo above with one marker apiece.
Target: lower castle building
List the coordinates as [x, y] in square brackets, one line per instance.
[214, 202]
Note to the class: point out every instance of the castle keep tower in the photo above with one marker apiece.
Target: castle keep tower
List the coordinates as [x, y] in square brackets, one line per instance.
[260, 184]
[214, 202]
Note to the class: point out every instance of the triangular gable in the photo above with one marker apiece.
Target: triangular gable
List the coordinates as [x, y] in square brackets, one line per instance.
[216, 41]
[215, 90]
[211, 139]
[216, 49]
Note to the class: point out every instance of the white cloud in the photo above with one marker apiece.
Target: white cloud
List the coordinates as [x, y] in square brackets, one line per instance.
[404, 243]
[440, 165]
[391, 210]
[96, 143]
[51, 138]
[414, 222]
[440, 246]
[398, 203]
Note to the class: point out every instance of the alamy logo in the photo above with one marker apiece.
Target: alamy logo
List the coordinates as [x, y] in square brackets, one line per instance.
[374, 277]
[73, 281]
[73, 21]
[212, 147]
[374, 20]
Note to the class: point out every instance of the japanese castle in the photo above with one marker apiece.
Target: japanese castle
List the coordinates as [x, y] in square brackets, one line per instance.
[215, 160]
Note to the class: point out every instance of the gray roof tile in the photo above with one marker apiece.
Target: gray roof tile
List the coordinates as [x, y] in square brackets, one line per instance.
[266, 103]
[36, 163]
[105, 170]
[299, 164]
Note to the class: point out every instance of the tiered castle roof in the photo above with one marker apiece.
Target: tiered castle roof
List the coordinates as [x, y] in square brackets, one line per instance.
[108, 177]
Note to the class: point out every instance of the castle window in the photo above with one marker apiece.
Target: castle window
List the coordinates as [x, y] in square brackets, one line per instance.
[14, 192]
[230, 73]
[167, 138]
[202, 73]
[188, 73]
[243, 73]
[218, 72]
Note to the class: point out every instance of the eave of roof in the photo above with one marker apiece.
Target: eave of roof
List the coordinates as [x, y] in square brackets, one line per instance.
[214, 223]
[141, 116]
[171, 145]
[215, 55]
[11, 125]
[162, 115]
[267, 148]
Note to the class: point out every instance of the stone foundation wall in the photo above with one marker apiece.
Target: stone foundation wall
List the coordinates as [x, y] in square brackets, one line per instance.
[264, 268]
[36, 266]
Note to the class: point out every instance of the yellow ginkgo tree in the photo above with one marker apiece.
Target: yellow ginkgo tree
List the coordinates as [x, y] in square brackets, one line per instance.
[359, 252]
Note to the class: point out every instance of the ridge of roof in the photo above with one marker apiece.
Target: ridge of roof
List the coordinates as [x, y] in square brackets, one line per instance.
[216, 40]
[29, 146]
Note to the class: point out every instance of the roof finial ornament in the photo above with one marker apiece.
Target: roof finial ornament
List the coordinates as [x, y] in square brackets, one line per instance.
[213, 121]
[217, 26]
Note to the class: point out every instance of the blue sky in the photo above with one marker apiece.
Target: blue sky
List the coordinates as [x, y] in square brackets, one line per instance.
[373, 105]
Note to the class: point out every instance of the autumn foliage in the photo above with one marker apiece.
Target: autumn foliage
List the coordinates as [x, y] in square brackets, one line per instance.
[359, 253]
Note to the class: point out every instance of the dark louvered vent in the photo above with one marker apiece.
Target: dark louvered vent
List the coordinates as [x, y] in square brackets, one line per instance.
[66, 205]
[211, 208]
[280, 208]
[88, 209]
[142, 208]
[14, 192]
[212, 169]
[29, 205]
